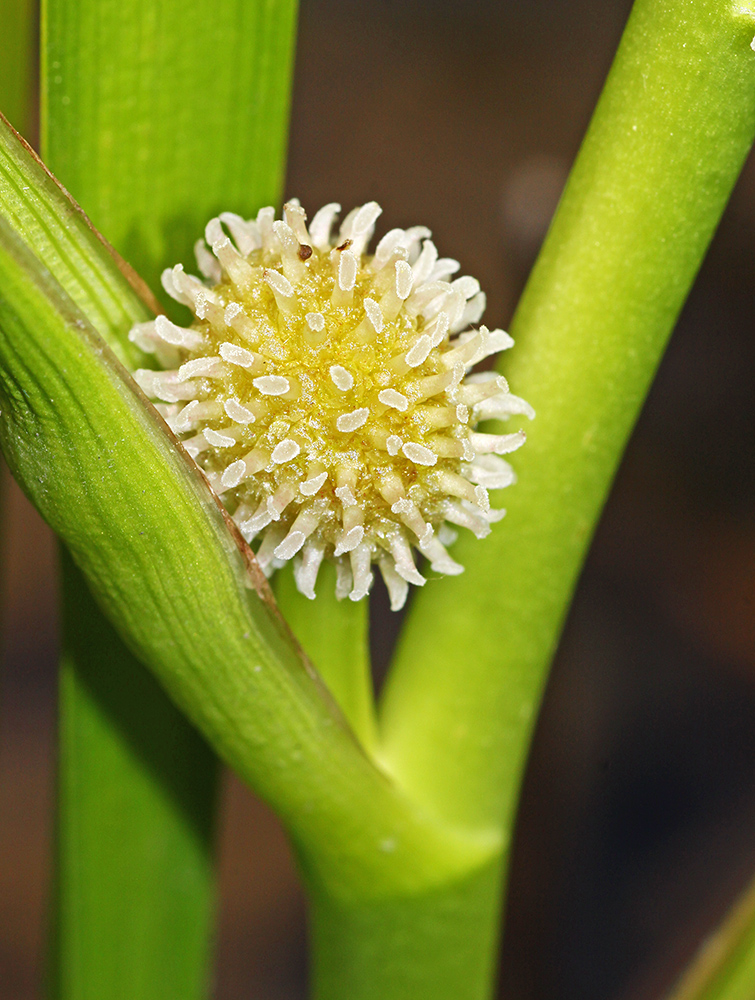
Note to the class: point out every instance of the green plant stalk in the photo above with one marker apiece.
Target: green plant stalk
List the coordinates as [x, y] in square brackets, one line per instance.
[724, 966]
[149, 828]
[153, 113]
[16, 62]
[665, 147]
[335, 636]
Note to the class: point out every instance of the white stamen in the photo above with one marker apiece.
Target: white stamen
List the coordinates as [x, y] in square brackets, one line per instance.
[500, 444]
[293, 265]
[315, 321]
[284, 451]
[492, 472]
[265, 218]
[396, 400]
[404, 279]
[374, 315]
[419, 352]
[207, 263]
[322, 223]
[278, 502]
[502, 406]
[402, 557]
[311, 486]
[282, 289]
[443, 269]
[236, 355]
[467, 285]
[195, 445]
[193, 413]
[440, 560]
[398, 588]
[296, 217]
[346, 496]
[219, 440]
[305, 570]
[206, 367]
[191, 340]
[360, 560]
[167, 386]
[349, 540]
[234, 474]
[246, 235]
[341, 378]
[393, 444]
[424, 264]
[418, 454]
[343, 579]
[347, 271]
[290, 545]
[348, 422]
[438, 329]
[237, 412]
[271, 385]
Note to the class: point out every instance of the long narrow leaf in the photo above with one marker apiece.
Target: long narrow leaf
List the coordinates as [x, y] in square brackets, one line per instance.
[158, 553]
[134, 834]
[17, 61]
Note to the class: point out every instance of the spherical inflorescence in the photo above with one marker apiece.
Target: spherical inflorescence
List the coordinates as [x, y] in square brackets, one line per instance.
[324, 394]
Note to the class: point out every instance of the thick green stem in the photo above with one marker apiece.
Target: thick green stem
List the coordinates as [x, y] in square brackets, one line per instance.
[665, 147]
[434, 945]
[132, 817]
[156, 116]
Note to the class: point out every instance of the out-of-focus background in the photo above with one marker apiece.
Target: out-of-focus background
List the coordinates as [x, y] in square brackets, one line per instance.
[637, 826]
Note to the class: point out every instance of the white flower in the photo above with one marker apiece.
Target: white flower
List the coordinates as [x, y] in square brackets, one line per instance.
[324, 393]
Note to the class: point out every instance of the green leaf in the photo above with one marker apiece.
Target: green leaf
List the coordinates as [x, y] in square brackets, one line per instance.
[167, 566]
[62, 238]
[16, 61]
[158, 115]
[132, 821]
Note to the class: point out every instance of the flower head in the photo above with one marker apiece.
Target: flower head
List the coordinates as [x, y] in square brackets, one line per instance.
[324, 393]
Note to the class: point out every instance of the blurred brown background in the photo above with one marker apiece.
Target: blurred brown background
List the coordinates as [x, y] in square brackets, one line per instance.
[638, 819]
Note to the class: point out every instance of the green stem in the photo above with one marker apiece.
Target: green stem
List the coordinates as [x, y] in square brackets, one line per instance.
[155, 115]
[666, 144]
[132, 817]
[665, 147]
[334, 635]
[437, 944]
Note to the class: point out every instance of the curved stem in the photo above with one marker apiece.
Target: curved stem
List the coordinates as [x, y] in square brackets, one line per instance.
[666, 144]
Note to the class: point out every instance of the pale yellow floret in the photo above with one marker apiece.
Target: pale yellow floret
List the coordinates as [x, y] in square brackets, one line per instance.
[324, 393]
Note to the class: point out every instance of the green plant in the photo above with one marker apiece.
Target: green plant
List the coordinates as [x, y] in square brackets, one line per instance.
[438, 779]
